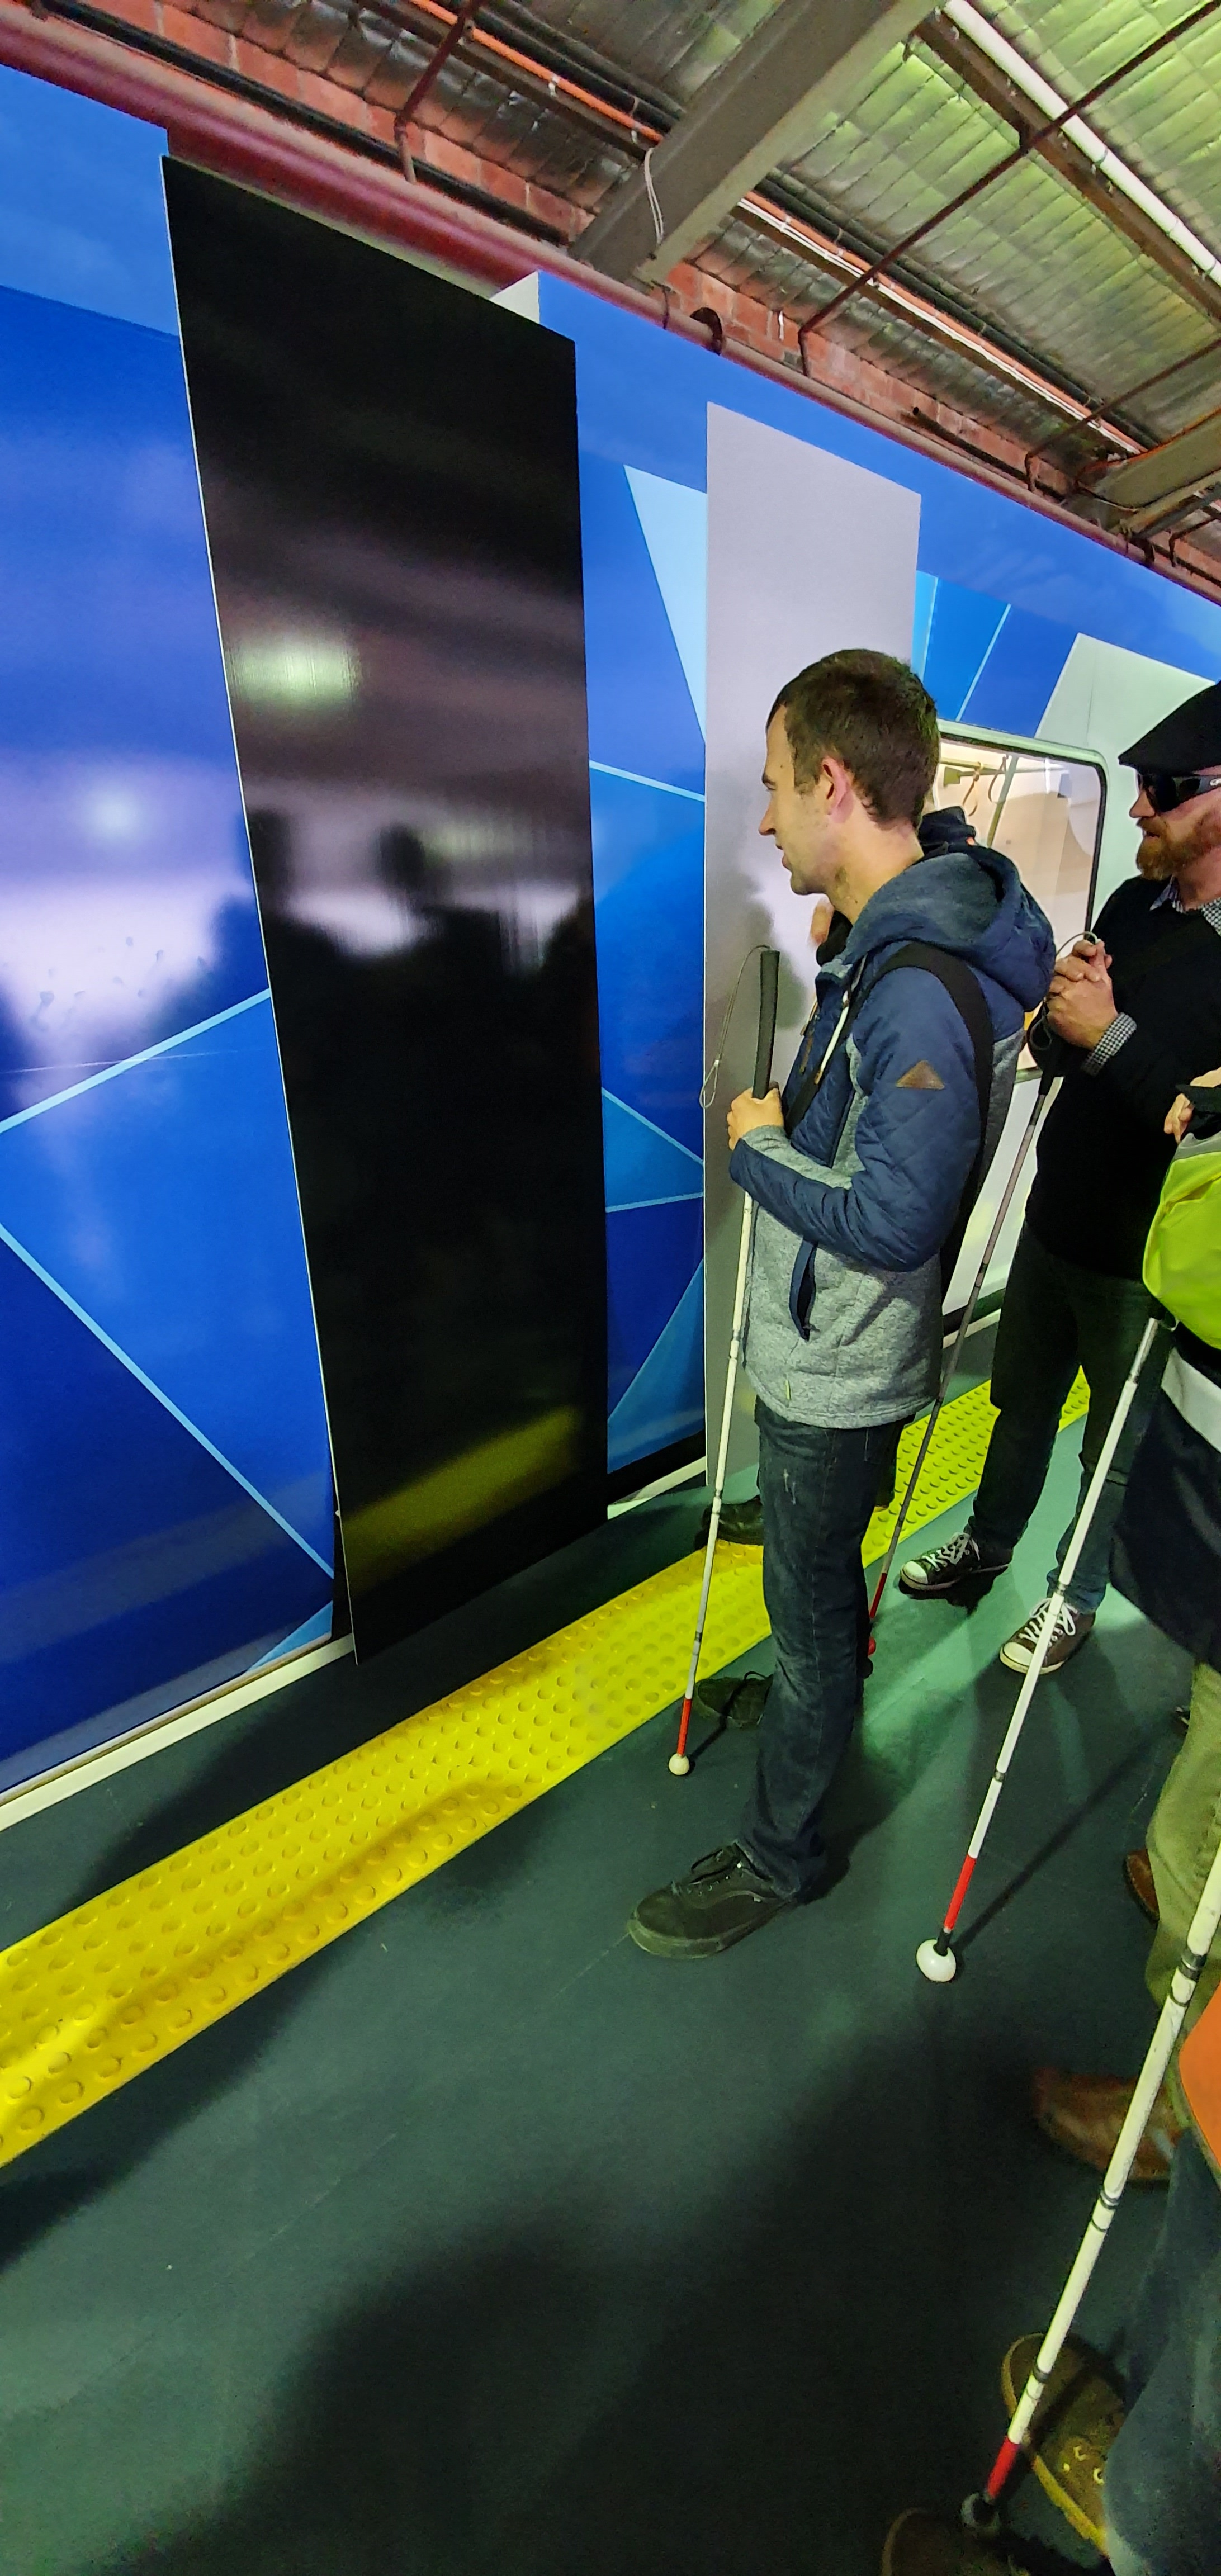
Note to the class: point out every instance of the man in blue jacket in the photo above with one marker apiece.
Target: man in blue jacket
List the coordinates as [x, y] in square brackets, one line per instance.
[859, 1174]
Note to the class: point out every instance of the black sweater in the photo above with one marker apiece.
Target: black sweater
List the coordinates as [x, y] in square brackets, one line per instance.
[1102, 1153]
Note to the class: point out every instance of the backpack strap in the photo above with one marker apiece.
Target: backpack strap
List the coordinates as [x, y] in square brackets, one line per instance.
[964, 992]
[963, 988]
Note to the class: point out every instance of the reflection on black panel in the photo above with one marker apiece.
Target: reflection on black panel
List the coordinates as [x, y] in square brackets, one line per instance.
[389, 475]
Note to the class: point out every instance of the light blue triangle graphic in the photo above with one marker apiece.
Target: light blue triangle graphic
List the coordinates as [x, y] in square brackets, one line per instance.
[674, 524]
[312, 1632]
[161, 1204]
[644, 1166]
[665, 1401]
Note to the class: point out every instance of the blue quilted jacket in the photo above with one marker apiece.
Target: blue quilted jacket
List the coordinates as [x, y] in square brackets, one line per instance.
[844, 1322]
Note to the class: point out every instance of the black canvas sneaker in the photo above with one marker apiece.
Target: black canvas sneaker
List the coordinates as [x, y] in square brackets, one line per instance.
[722, 1899]
[739, 1702]
[955, 1567]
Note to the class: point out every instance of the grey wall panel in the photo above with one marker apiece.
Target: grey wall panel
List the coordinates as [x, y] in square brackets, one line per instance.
[806, 554]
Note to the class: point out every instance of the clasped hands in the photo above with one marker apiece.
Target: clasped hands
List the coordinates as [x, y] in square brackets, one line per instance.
[1080, 1002]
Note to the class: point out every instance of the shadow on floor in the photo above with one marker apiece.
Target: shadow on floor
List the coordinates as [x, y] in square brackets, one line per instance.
[753, 2394]
[109, 2141]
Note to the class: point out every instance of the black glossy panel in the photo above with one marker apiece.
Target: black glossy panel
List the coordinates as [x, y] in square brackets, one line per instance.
[390, 482]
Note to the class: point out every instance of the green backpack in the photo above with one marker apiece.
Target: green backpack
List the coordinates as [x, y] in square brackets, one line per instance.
[1183, 1254]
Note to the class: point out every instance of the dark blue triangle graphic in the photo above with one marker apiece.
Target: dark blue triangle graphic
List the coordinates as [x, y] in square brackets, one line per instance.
[127, 1555]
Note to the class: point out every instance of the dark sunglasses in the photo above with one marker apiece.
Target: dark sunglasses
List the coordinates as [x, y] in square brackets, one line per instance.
[1165, 789]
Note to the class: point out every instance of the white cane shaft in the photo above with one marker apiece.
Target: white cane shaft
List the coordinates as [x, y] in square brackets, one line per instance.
[1047, 1623]
[1016, 1723]
[1115, 1426]
[718, 1491]
[735, 1346]
[1029, 1132]
[1041, 1107]
[1148, 2085]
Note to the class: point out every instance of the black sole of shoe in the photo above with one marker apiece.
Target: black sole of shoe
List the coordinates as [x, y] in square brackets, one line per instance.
[661, 1945]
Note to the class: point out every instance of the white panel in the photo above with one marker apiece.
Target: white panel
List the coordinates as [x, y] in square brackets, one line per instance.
[522, 297]
[1104, 699]
[806, 555]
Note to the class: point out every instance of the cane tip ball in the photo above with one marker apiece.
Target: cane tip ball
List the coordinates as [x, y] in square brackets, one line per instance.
[680, 1764]
[939, 1966]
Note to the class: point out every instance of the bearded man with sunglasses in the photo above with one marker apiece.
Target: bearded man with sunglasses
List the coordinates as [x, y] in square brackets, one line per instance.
[1132, 1014]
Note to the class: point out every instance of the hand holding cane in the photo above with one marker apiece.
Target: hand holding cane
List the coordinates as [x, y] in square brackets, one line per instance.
[769, 970]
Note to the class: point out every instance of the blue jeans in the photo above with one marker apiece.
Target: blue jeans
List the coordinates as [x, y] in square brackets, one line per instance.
[1163, 2478]
[818, 1490]
[1058, 1318]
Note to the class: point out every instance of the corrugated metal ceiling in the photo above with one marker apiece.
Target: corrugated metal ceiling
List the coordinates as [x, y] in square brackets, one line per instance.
[1031, 263]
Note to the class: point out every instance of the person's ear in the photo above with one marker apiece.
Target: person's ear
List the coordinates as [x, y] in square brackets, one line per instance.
[836, 784]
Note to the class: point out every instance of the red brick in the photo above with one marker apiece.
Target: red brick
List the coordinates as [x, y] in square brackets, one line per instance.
[145, 14]
[198, 35]
[327, 98]
[271, 71]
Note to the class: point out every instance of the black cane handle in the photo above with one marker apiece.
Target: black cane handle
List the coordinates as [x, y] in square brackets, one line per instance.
[769, 985]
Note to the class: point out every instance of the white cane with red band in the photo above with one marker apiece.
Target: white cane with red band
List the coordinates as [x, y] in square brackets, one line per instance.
[769, 972]
[979, 2511]
[935, 1959]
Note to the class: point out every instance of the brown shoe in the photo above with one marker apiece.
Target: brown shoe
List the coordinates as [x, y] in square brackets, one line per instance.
[1139, 1877]
[1067, 1638]
[1085, 2113]
[930, 2544]
[1078, 2419]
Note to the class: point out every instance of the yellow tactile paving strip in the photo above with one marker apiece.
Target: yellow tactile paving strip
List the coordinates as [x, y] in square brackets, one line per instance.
[115, 1985]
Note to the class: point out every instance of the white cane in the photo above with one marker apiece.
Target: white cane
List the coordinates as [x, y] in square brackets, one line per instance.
[1046, 1094]
[935, 1959]
[769, 970]
[979, 2511]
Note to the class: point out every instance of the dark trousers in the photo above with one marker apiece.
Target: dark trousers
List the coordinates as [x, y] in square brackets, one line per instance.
[818, 1489]
[1058, 1318]
[1162, 2493]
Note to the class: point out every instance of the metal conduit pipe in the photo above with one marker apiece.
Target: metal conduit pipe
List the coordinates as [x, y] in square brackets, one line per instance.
[262, 147]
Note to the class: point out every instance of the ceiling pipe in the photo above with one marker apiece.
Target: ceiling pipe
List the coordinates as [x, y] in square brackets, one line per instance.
[264, 149]
[433, 68]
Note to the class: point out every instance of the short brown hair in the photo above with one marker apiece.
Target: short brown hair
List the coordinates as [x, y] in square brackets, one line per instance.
[872, 713]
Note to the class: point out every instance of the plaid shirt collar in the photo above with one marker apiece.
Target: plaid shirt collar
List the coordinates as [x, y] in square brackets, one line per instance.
[1170, 894]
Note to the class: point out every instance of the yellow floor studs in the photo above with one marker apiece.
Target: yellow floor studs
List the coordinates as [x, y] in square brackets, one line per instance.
[118, 1983]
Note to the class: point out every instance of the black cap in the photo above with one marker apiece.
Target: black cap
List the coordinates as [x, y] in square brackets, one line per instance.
[1189, 738]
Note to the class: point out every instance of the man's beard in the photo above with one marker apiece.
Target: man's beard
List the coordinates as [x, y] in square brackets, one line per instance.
[1159, 857]
[1154, 858]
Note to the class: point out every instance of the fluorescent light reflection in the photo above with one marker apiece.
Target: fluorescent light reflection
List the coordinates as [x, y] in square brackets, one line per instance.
[293, 672]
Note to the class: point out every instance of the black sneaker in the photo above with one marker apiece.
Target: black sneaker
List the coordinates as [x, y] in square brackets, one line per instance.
[946, 1570]
[740, 1523]
[733, 1703]
[722, 1900]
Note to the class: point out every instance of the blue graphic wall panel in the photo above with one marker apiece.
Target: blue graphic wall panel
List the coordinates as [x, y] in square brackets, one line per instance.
[1002, 594]
[166, 1483]
[129, 1555]
[159, 1198]
[641, 715]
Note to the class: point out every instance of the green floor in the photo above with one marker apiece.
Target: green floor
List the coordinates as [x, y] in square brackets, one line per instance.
[485, 2246]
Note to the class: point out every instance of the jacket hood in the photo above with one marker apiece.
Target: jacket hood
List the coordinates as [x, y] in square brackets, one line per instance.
[967, 899]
